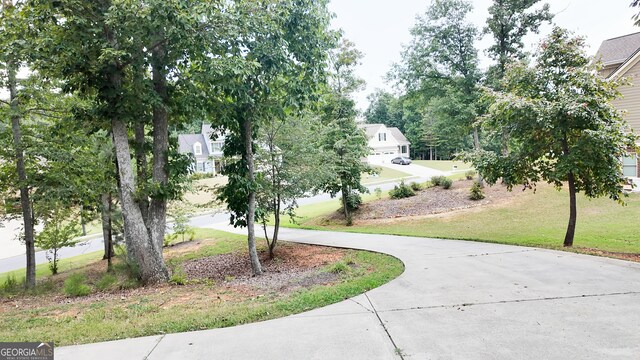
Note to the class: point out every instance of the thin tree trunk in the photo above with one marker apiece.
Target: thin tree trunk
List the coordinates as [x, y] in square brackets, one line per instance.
[82, 222]
[573, 211]
[276, 226]
[476, 145]
[141, 166]
[158, 209]
[25, 202]
[345, 205]
[107, 234]
[251, 205]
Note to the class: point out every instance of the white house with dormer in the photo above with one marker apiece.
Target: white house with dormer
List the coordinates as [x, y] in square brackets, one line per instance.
[385, 142]
[207, 152]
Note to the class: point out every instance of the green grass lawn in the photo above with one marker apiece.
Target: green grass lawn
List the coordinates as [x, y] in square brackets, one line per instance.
[537, 220]
[444, 165]
[124, 309]
[385, 174]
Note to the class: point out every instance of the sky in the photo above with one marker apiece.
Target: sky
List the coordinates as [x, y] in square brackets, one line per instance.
[379, 28]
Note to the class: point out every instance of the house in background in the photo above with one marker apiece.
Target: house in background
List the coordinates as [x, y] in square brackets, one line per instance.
[386, 143]
[207, 153]
[620, 57]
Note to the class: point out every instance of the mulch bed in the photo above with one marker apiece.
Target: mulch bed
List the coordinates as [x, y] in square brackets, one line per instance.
[430, 201]
[295, 265]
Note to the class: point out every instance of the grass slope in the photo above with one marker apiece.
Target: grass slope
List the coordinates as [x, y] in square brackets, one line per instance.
[538, 220]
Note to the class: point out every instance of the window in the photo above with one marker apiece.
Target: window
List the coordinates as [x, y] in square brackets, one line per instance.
[216, 146]
[200, 167]
[403, 149]
[382, 136]
[197, 149]
[630, 166]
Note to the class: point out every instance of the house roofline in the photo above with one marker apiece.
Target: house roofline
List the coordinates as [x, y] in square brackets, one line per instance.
[627, 65]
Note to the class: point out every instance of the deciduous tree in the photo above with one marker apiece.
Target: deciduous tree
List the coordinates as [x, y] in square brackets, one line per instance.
[564, 127]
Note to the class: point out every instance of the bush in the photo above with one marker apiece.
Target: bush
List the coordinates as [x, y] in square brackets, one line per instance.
[437, 180]
[415, 186]
[75, 285]
[106, 281]
[10, 284]
[401, 191]
[476, 192]
[354, 200]
[378, 193]
[446, 183]
[470, 174]
[178, 277]
[200, 176]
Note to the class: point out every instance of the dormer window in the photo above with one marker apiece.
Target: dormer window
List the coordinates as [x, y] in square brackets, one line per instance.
[197, 149]
[382, 136]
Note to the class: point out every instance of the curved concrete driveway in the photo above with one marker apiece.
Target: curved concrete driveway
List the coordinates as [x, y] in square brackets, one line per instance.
[455, 300]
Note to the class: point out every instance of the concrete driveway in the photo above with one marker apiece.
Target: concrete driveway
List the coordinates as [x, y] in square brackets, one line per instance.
[455, 300]
[422, 172]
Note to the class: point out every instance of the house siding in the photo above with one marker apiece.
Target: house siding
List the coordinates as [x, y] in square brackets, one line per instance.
[608, 70]
[630, 102]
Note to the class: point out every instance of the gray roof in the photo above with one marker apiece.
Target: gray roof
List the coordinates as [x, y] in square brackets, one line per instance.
[619, 49]
[398, 135]
[186, 141]
[370, 129]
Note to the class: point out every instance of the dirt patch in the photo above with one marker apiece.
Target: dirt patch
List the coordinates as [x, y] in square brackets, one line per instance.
[295, 265]
[435, 200]
[611, 254]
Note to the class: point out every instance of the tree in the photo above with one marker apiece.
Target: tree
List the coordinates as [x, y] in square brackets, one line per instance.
[346, 143]
[12, 59]
[508, 23]
[439, 70]
[282, 44]
[131, 62]
[60, 230]
[289, 155]
[563, 125]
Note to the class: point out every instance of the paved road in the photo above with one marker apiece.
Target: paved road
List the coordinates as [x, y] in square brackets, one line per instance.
[455, 300]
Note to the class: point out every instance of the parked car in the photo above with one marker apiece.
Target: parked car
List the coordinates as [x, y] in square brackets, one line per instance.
[401, 160]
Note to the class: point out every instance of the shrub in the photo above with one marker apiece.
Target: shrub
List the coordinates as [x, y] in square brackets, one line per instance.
[415, 186]
[470, 174]
[378, 193]
[106, 281]
[178, 277]
[75, 285]
[476, 192]
[10, 284]
[354, 200]
[401, 191]
[446, 183]
[437, 180]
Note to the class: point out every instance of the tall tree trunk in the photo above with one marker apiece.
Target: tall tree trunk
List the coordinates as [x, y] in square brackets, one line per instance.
[147, 256]
[25, 201]
[141, 166]
[573, 211]
[158, 210]
[251, 205]
[476, 145]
